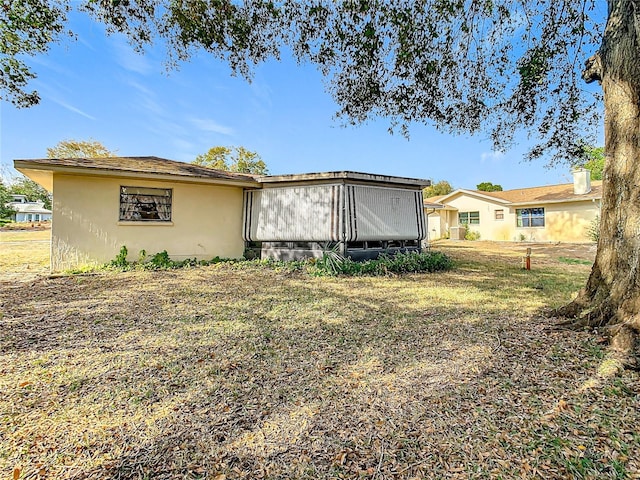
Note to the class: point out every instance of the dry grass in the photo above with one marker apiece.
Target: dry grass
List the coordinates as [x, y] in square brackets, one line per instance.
[25, 251]
[247, 373]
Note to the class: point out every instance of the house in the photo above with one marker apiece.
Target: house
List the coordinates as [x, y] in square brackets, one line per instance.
[554, 213]
[154, 204]
[27, 211]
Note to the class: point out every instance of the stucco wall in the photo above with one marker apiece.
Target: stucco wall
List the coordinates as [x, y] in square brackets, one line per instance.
[564, 222]
[567, 222]
[206, 222]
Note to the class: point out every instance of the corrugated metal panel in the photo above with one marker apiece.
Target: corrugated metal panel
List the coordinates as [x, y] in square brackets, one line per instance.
[311, 213]
[377, 213]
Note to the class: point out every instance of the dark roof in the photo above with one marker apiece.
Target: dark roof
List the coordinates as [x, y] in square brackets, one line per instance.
[162, 166]
[152, 165]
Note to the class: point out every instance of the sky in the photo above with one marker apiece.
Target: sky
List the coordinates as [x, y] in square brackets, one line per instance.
[97, 88]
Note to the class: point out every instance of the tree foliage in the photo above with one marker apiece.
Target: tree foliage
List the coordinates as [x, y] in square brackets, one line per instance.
[489, 187]
[30, 189]
[27, 28]
[79, 149]
[436, 189]
[5, 197]
[233, 159]
[593, 161]
[463, 66]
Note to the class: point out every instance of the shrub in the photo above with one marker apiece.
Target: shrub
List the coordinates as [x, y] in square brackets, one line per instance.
[161, 260]
[120, 262]
[410, 262]
[331, 263]
[472, 235]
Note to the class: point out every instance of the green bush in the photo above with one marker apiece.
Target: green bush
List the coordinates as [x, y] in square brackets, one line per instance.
[471, 235]
[158, 261]
[120, 262]
[410, 262]
[331, 263]
[161, 260]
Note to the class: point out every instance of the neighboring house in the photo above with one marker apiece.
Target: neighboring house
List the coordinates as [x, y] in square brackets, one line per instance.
[27, 211]
[153, 204]
[554, 213]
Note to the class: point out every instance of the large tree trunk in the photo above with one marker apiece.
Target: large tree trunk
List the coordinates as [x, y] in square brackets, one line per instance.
[611, 297]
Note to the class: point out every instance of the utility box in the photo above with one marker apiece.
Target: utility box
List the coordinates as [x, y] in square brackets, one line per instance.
[457, 233]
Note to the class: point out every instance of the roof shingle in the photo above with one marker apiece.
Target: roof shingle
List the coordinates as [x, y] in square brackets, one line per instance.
[154, 165]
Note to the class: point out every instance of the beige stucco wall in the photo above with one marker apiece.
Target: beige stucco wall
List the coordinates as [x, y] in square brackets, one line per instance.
[564, 222]
[206, 222]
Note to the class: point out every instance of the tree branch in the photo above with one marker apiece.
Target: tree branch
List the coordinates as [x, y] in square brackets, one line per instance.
[593, 69]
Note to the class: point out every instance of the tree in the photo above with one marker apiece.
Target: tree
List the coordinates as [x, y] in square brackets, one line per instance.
[216, 157]
[79, 149]
[464, 66]
[27, 28]
[489, 187]
[5, 197]
[236, 159]
[593, 161]
[436, 189]
[33, 191]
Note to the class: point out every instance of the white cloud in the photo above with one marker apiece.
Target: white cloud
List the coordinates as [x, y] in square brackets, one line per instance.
[141, 88]
[492, 157]
[211, 126]
[132, 61]
[71, 108]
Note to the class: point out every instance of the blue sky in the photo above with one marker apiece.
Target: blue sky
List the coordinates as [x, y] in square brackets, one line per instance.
[97, 88]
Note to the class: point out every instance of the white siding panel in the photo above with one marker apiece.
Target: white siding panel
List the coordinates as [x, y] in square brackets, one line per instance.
[310, 213]
[378, 213]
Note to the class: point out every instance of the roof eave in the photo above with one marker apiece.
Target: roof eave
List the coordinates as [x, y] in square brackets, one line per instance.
[345, 176]
[474, 194]
[26, 165]
[565, 200]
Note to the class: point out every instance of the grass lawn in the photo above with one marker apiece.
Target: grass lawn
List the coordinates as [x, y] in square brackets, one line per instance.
[25, 251]
[224, 373]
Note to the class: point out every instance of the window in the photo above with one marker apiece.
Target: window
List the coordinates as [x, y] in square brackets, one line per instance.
[141, 204]
[471, 218]
[499, 214]
[530, 217]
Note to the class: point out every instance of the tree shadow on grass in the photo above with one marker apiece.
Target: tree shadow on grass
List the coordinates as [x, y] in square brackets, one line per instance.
[259, 374]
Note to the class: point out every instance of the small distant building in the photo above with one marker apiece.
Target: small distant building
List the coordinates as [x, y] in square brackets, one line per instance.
[552, 213]
[27, 211]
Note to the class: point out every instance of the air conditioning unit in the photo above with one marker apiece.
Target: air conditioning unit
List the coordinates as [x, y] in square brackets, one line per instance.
[457, 233]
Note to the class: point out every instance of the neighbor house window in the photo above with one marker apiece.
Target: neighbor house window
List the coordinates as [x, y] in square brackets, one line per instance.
[469, 218]
[499, 214]
[142, 204]
[530, 217]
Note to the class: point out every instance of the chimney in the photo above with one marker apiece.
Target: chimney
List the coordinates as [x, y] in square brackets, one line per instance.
[581, 181]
